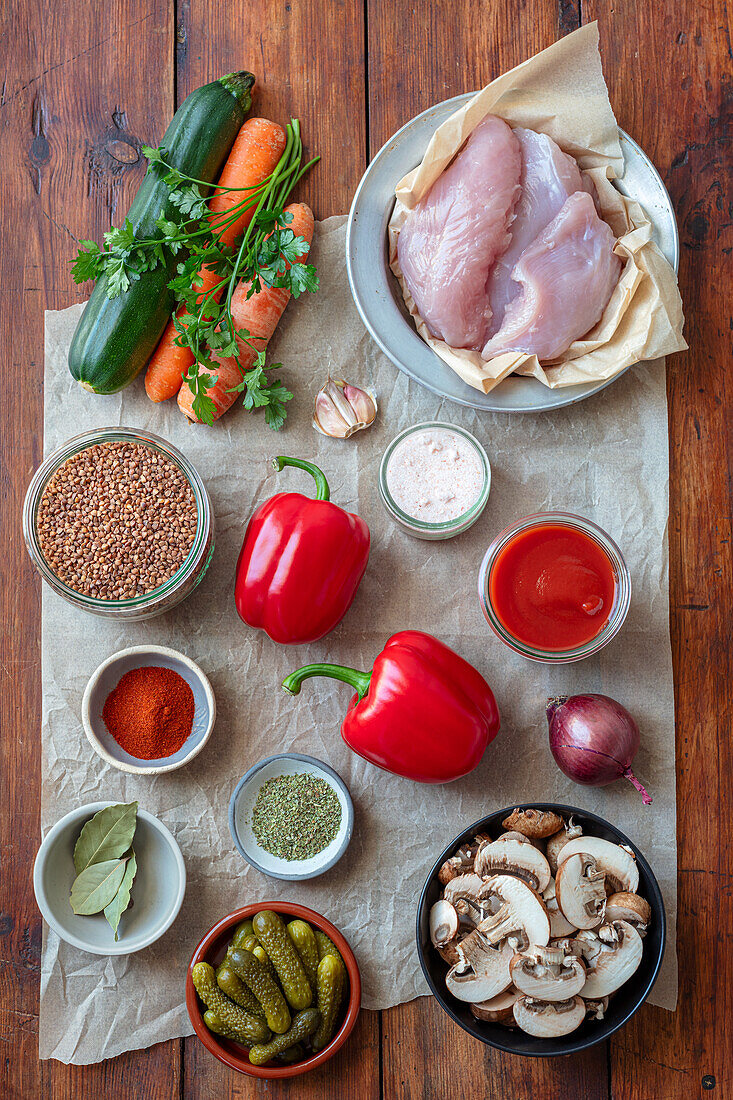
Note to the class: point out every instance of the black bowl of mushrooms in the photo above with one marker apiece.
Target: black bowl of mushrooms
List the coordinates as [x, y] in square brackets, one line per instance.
[541, 929]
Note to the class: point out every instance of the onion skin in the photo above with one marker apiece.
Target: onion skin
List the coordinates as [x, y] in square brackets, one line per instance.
[593, 740]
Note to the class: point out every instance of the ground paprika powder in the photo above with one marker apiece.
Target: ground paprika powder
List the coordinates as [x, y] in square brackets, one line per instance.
[150, 712]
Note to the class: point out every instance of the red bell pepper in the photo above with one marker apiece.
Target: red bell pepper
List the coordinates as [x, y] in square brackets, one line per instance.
[423, 712]
[301, 563]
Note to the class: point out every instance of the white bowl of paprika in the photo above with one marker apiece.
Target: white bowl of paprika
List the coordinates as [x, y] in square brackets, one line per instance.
[148, 709]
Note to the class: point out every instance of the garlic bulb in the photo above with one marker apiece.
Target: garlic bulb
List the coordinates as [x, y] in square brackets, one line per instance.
[342, 409]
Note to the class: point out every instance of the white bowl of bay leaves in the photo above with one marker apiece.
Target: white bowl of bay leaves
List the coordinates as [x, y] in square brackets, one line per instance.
[109, 878]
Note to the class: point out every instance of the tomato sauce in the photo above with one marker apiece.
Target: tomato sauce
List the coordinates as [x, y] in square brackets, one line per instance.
[552, 587]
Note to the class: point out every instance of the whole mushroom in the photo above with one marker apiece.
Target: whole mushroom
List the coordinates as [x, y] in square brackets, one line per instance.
[558, 840]
[536, 824]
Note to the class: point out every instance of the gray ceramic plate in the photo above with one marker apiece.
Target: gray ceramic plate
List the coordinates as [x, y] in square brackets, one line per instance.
[378, 296]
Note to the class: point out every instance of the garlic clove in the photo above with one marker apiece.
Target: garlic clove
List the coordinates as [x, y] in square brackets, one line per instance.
[342, 409]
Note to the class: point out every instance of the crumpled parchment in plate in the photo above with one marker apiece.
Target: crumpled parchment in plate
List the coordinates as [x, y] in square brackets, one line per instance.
[561, 92]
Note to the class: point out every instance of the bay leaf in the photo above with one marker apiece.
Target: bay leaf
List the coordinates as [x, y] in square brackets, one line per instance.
[95, 887]
[107, 835]
[121, 900]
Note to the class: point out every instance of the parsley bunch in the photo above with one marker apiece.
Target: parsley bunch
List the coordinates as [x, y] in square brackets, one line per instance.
[186, 242]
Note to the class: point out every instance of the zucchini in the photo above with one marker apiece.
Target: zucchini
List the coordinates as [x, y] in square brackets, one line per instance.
[115, 337]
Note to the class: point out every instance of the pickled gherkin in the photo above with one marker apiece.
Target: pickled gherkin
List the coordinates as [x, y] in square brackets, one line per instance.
[325, 945]
[233, 986]
[291, 1055]
[251, 943]
[257, 977]
[304, 1025]
[330, 988]
[231, 1015]
[241, 932]
[301, 934]
[273, 935]
[214, 1024]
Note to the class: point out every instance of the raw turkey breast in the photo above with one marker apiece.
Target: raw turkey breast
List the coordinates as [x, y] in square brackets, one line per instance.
[451, 239]
[567, 276]
[549, 177]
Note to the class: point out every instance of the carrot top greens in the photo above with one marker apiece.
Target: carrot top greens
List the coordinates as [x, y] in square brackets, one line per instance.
[266, 254]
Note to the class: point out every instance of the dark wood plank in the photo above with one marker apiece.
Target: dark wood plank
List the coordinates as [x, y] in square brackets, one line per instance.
[308, 57]
[426, 1055]
[421, 54]
[668, 69]
[456, 46]
[72, 119]
[352, 1074]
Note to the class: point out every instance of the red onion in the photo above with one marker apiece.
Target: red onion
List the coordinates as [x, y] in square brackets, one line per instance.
[593, 739]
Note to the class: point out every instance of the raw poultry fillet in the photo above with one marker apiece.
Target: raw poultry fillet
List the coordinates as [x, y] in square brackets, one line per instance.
[567, 277]
[548, 178]
[453, 236]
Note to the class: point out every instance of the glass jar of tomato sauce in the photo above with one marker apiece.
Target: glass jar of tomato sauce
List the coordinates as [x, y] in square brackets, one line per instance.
[554, 587]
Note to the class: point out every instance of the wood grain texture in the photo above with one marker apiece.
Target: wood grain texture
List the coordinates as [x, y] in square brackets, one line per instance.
[668, 68]
[352, 1074]
[84, 86]
[71, 122]
[426, 1055]
[308, 57]
[421, 54]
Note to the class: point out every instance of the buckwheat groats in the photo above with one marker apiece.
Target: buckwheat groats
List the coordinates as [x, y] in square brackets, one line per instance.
[116, 521]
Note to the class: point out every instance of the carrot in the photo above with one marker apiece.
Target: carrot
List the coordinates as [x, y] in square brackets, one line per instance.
[259, 315]
[254, 155]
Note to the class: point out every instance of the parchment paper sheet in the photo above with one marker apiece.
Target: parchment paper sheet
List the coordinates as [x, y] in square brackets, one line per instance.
[561, 92]
[605, 458]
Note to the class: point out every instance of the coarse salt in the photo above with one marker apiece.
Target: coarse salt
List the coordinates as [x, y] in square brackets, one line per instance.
[435, 475]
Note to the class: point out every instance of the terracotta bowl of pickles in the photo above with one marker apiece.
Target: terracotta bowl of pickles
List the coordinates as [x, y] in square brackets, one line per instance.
[273, 990]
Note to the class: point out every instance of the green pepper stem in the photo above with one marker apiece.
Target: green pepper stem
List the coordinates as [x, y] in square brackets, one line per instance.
[358, 680]
[322, 491]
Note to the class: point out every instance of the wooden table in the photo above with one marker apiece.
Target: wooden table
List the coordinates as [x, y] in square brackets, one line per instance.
[85, 84]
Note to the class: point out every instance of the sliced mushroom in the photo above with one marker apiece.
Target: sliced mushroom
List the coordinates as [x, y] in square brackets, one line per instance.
[617, 862]
[547, 973]
[580, 891]
[443, 923]
[520, 918]
[618, 958]
[449, 953]
[482, 972]
[631, 908]
[457, 864]
[559, 926]
[596, 1010]
[549, 1019]
[464, 892]
[558, 840]
[536, 824]
[513, 857]
[497, 1010]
